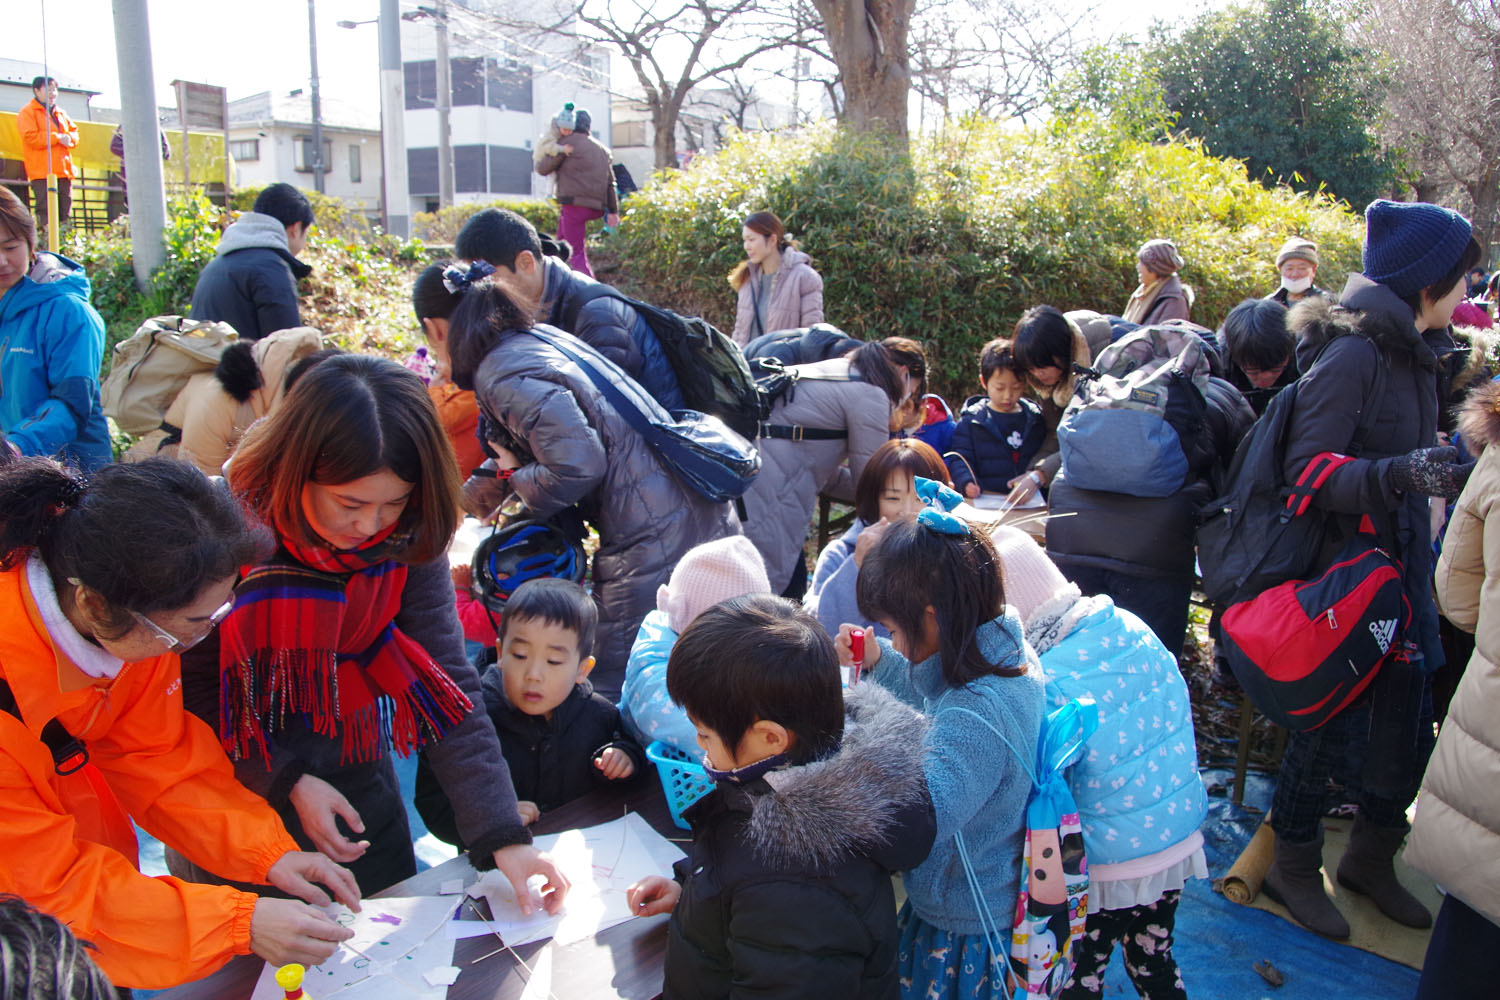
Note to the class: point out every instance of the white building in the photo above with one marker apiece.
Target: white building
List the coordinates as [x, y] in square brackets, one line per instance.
[270, 140]
[506, 88]
[709, 115]
[15, 89]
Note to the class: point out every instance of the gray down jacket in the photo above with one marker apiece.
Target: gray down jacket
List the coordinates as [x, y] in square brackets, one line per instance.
[579, 450]
[779, 504]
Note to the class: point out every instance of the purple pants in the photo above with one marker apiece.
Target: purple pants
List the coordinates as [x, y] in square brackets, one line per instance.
[570, 227]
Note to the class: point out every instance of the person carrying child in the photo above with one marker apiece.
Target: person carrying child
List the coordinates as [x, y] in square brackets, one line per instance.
[1136, 787]
[708, 575]
[999, 433]
[957, 653]
[786, 890]
[559, 738]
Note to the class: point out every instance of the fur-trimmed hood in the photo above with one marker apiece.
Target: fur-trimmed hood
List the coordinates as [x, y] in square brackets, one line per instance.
[818, 814]
[1364, 307]
[1479, 419]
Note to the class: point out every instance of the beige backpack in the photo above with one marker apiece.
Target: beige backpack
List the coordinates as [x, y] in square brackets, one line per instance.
[149, 368]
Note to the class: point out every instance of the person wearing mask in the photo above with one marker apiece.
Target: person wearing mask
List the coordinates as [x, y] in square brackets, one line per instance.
[1297, 260]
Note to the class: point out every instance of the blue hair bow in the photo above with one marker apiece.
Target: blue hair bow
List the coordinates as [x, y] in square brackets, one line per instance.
[457, 280]
[942, 522]
[935, 495]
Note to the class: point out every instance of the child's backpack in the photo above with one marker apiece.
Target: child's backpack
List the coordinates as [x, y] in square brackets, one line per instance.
[710, 368]
[1054, 900]
[150, 367]
[1137, 413]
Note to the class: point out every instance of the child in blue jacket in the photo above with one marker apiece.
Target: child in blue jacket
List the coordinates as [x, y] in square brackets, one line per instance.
[957, 653]
[1137, 788]
[999, 433]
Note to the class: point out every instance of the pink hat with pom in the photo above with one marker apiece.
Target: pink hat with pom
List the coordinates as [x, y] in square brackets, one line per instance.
[710, 574]
[1031, 579]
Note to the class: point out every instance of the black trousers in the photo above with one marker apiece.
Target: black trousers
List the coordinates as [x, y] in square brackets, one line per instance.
[1463, 954]
[1145, 936]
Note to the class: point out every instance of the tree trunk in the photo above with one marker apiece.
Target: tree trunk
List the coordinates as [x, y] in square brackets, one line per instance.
[1486, 195]
[664, 142]
[868, 40]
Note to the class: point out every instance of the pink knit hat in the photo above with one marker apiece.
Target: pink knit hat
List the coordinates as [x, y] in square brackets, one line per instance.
[710, 574]
[1031, 579]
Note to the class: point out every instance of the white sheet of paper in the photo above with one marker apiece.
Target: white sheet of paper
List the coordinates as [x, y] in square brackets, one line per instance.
[996, 501]
[452, 887]
[539, 986]
[399, 938]
[445, 975]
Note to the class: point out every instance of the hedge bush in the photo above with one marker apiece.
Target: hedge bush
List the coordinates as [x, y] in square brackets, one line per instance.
[951, 244]
[443, 225]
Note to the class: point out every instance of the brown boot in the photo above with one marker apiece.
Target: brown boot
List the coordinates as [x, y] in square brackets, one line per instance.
[1296, 882]
[1367, 868]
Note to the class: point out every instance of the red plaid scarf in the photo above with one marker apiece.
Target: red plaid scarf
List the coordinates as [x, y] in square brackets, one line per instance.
[312, 633]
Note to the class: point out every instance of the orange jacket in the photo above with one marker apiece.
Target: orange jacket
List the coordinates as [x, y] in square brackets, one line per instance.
[165, 767]
[37, 134]
[459, 412]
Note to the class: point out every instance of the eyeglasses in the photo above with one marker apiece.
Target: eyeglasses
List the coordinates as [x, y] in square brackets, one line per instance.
[173, 643]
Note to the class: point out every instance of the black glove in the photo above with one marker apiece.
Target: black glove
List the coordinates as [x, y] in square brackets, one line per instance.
[1432, 472]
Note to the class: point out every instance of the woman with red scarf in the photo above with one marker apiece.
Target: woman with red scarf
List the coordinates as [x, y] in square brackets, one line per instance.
[345, 643]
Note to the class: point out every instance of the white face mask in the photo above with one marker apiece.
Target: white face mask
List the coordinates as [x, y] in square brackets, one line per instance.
[1296, 285]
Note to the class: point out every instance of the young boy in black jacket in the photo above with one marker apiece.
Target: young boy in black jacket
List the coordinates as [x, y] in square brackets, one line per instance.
[999, 433]
[559, 738]
[786, 891]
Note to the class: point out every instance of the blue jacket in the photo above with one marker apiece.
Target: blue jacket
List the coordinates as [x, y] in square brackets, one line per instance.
[1137, 785]
[648, 713]
[987, 440]
[937, 424]
[51, 346]
[832, 597]
[578, 304]
[978, 785]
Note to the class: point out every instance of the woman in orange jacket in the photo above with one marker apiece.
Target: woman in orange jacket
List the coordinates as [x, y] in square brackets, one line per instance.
[101, 584]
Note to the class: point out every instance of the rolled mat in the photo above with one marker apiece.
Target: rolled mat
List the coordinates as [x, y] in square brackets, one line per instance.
[1242, 883]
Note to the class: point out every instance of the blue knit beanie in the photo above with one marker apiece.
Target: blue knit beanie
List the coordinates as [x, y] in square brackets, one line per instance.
[1410, 245]
[566, 118]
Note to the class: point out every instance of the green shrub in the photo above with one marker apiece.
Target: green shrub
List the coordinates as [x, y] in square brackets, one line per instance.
[442, 226]
[951, 244]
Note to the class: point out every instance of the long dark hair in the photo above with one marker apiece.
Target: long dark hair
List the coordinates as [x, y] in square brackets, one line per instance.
[914, 568]
[874, 364]
[1043, 339]
[483, 316]
[146, 537]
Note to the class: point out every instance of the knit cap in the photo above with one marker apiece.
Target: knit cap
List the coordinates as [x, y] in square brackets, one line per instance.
[1160, 256]
[710, 574]
[1410, 245]
[582, 120]
[566, 118]
[1298, 248]
[1029, 576]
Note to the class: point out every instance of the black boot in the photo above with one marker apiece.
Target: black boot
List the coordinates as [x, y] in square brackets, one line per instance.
[1367, 868]
[1296, 882]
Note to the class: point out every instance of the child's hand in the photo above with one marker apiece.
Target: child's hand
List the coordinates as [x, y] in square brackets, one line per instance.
[615, 764]
[972, 491]
[652, 895]
[529, 812]
[1023, 488]
[463, 577]
[868, 539]
[841, 645]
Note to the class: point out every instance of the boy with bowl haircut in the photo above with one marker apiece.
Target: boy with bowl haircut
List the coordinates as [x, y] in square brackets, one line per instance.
[559, 738]
[786, 890]
[999, 433]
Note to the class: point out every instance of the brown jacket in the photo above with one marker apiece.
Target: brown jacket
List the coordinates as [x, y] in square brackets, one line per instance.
[1456, 836]
[585, 176]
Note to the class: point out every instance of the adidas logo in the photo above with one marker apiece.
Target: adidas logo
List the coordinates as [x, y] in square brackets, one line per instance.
[1384, 632]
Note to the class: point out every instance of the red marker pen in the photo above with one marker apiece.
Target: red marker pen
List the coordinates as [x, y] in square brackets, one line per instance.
[857, 651]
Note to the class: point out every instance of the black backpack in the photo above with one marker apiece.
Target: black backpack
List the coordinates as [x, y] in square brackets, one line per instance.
[710, 368]
[1264, 531]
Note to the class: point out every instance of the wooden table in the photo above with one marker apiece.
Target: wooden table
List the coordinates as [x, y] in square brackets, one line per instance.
[623, 961]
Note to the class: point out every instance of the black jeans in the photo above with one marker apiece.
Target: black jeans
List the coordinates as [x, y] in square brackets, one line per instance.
[1145, 937]
[64, 199]
[1463, 954]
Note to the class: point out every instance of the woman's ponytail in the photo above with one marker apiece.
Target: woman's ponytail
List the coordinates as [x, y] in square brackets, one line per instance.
[35, 494]
[484, 313]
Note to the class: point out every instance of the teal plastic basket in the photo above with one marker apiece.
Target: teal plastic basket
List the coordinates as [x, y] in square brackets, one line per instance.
[682, 778]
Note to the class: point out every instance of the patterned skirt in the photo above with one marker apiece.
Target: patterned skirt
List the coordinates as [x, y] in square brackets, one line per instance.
[935, 964]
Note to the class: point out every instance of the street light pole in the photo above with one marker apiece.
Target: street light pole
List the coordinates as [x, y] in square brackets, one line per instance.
[444, 106]
[393, 121]
[317, 108]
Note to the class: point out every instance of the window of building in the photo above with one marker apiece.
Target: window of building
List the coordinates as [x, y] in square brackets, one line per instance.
[508, 84]
[421, 83]
[468, 82]
[244, 150]
[422, 171]
[354, 172]
[302, 154]
[510, 170]
[470, 170]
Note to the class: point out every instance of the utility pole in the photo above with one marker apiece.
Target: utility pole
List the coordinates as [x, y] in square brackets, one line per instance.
[393, 121]
[444, 106]
[316, 160]
[148, 200]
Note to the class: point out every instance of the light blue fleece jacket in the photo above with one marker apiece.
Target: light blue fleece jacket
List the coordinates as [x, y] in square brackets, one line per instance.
[1137, 784]
[978, 785]
[648, 712]
[51, 345]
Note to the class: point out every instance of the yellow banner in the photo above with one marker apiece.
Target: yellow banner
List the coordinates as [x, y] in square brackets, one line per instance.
[205, 160]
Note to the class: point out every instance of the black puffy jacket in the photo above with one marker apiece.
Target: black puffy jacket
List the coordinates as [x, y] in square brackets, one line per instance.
[251, 283]
[787, 887]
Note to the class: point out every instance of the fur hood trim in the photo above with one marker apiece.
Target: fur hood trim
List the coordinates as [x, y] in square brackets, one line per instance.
[1365, 308]
[820, 813]
[1479, 419]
